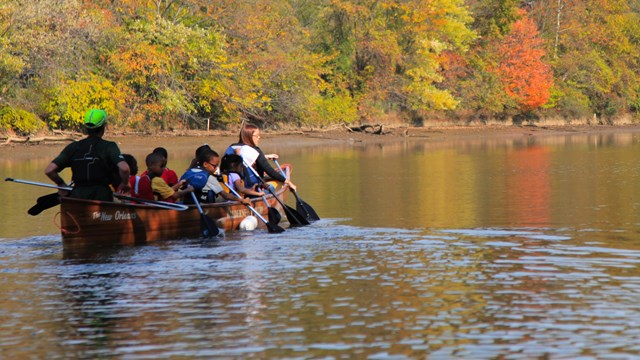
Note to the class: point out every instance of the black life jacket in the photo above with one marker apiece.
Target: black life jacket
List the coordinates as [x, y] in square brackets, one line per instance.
[87, 167]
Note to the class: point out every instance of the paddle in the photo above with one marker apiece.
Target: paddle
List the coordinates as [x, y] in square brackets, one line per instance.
[68, 188]
[160, 204]
[271, 227]
[43, 203]
[302, 207]
[207, 226]
[274, 215]
[249, 156]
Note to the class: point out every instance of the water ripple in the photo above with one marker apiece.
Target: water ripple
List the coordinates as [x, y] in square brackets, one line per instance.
[327, 291]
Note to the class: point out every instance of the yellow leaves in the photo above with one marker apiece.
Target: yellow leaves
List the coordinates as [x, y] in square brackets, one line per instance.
[421, 87]
[422, 92]
[70, 101]
[334, 109]
[20, 121]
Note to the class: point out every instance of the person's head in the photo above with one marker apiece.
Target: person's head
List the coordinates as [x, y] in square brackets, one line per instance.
[95, 121]
[155, 164]
[132, 162]
[162, 152]
[231, 163]
[249, 135]
[199, 151]
[209, 160]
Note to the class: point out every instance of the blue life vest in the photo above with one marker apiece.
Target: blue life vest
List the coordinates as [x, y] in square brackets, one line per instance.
[196, 177]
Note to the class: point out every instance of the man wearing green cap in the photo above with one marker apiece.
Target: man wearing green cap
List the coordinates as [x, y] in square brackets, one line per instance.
[95, 163]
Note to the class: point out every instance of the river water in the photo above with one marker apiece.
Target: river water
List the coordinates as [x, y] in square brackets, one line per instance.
[476, 249]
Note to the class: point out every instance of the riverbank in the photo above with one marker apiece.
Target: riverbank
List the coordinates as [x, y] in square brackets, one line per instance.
[472, 131]
[322, 137]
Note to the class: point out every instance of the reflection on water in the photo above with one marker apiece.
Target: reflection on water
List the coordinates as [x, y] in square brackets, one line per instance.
[550, 181]
[329, 291]
[514, 248]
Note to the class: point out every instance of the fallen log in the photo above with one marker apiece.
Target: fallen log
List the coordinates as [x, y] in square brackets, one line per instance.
[367, 128]
[30, 139]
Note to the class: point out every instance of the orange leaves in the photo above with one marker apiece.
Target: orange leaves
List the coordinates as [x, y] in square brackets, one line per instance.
[525, 76]
[141, 62]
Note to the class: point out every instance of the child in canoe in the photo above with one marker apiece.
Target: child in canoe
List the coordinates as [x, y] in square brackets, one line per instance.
[205, 183]
[164, 192]
[140, 185]
[169, 176]
[232, 170]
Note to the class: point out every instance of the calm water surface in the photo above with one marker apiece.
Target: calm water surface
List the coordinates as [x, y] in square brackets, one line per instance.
[500, 248]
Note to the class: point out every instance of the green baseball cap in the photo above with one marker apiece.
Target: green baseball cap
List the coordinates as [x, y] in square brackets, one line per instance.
[95, 118]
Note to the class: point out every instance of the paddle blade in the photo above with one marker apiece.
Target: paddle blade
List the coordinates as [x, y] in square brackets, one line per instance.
[273, 228]
[274, 216]
[309, 213]
[306, 210]
[293, 217]
[43, 203]
[208, 227]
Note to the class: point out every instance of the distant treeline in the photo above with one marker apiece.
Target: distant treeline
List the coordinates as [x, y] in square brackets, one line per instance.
[171, 64]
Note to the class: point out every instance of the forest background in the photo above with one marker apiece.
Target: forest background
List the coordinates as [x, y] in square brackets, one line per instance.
[157, 65]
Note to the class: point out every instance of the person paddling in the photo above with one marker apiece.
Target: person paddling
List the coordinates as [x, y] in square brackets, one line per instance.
[164, 192]
[203, 178]
[250, 135]
[94, 163]
[232, 169]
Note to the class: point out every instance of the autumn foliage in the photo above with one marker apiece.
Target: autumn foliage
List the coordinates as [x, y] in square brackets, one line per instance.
[163, 64]
[527, 79]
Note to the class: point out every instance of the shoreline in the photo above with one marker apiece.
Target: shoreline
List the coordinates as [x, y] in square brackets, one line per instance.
[332, 136]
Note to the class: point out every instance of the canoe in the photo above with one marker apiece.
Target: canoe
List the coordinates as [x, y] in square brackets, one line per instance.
[91, 222]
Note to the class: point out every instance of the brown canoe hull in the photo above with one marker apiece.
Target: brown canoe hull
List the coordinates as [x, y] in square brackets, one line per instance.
[90, 222]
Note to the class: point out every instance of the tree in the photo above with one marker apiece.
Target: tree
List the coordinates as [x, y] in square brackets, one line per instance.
[525, 76]
[388, 54]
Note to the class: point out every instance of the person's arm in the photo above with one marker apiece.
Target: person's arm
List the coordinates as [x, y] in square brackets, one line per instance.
[182, 192]
[273, 173]
[178, 185]
[115, 157]
[123, 169]
[218, 189]
[239, 184]
[264, 166]
[58, 164]
[52, 173]
[231, 197]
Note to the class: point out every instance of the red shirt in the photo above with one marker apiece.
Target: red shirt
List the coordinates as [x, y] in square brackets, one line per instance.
[169, 176]
[142, 189]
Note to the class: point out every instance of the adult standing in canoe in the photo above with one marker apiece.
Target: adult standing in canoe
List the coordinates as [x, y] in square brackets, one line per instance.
[94, 163]
[250, 135]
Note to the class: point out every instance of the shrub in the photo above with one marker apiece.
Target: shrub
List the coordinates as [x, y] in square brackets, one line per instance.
[19, 121]
[69, 102]
[335, 109]
[574, 104]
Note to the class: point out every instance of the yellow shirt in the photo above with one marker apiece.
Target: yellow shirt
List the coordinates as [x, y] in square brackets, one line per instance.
[159, 187]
